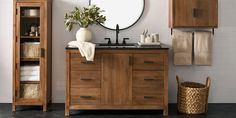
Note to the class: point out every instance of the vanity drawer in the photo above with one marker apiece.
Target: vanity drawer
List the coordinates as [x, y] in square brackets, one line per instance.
[80, 63]
[147, 96]
[88, 96]
[90, 79]
[148, 62]
[152, 79]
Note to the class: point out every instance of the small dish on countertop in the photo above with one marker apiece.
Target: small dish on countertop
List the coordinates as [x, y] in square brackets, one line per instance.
[149, 44]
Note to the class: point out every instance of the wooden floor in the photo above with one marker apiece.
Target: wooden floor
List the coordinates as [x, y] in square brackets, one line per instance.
[57, 111]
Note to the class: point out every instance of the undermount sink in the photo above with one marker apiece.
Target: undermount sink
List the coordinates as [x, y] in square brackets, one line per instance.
[118, 46]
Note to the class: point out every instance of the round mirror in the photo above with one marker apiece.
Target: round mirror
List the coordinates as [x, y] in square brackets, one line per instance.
[125, 13]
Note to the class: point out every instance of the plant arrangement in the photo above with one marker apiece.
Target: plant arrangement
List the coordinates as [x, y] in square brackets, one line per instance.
[84, 17]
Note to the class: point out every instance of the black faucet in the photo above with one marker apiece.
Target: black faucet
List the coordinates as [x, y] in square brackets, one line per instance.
[117, 32]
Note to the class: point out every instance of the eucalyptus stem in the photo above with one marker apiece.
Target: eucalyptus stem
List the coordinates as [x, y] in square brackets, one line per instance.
[85, 17]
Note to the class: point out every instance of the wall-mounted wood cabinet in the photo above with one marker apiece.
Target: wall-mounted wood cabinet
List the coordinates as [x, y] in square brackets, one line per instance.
[117, 79]
[193, 13]
[32, 53]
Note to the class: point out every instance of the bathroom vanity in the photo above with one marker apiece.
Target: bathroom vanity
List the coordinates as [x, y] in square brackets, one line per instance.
[121, 78]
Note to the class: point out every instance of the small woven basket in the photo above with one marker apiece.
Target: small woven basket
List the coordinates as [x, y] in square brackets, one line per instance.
[192, 97]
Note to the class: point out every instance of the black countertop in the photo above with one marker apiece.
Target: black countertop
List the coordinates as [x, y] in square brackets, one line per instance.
[159, 47]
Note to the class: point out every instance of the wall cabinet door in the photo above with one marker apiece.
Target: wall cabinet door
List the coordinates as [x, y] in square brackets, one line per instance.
[116, 82]
[193, 13]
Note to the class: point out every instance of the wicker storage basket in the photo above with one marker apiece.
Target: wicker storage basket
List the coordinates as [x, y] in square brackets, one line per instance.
[192, 97]
[30, 50]
[29, 91]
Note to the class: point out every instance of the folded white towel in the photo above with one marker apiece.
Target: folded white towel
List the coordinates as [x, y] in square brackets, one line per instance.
[86, 49]
[33, 67]
[29, 78]
[30, 72]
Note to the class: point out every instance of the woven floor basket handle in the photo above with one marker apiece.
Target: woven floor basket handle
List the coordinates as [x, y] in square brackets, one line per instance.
[208, 82]
[177, 79]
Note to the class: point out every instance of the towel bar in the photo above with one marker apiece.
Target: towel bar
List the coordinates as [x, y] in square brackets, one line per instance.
[213, 31]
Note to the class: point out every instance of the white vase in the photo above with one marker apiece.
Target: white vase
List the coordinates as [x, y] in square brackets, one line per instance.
[83, 34]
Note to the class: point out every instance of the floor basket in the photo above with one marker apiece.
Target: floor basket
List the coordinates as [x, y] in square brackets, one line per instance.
[192, 97]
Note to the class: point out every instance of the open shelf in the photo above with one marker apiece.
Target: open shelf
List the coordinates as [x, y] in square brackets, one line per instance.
[28, 101]
[30, 17]
[29, 82]
[29, 59]
[30, 37]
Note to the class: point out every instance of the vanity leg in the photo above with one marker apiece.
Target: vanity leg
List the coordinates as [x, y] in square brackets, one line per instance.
[45, 107]
[165, 112]
[13, 107]
[67, 112]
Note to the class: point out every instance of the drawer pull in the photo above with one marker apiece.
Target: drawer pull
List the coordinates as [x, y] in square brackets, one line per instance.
[148, 97]
[148, 62]
[87, 62]
[86, 79]
[86, 97]
[148, 79]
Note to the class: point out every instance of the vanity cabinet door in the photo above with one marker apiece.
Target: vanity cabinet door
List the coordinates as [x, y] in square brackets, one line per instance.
[193, 13]
[116, 82]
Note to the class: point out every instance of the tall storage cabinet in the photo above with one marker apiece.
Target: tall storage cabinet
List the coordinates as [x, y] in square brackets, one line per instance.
[32, 53]
[193, 13]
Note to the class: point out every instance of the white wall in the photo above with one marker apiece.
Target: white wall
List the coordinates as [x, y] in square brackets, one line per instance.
[155, 18]
[6, 50]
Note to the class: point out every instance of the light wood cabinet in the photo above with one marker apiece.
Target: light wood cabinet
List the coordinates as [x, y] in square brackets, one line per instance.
[117, 79]
[193, 13]
[31, 53]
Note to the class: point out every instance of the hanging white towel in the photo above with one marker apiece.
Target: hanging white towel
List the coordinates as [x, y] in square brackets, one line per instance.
[203, 48]
[182, 47]
[86, 49]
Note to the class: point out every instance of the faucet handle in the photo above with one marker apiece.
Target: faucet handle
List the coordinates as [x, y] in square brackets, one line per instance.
[124, 42]
[109, 40]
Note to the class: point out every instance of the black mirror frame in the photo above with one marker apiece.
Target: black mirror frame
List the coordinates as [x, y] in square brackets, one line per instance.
[131, 24]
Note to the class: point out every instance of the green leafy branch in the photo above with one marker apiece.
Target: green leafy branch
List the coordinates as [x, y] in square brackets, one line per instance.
[84, 18]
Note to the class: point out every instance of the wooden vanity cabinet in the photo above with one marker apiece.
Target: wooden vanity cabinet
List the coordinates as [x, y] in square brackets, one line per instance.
[32, 53]
[117, 79]
[193, 13]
